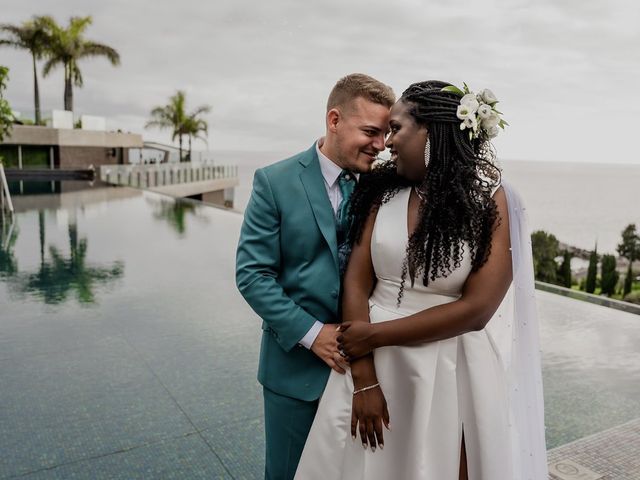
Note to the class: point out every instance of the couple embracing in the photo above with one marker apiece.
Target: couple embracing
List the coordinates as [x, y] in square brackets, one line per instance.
[399, 328]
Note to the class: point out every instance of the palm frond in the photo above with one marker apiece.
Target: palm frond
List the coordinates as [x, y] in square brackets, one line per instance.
[93, 49]
[10, 43]
[50, 64]
[14, 30]
[78, 25]
[200, 110]
[158, 123]
[33, 35]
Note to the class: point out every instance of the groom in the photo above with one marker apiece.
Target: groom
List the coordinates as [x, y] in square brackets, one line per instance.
[291, 255]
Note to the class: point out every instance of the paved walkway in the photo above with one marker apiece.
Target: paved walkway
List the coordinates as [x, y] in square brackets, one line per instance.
[610, 455]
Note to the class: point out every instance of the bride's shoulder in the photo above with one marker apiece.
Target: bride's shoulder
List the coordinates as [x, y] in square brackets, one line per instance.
[495, 185]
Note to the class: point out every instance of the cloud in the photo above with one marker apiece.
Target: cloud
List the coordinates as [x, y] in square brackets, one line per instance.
[561, 69]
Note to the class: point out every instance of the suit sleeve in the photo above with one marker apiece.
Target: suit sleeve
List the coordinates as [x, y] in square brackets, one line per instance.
[258, 263]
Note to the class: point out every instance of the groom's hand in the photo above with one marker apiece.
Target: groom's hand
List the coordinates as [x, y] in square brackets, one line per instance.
[325, 346]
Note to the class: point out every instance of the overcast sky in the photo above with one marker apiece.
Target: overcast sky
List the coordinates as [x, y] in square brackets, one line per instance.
[567, 73]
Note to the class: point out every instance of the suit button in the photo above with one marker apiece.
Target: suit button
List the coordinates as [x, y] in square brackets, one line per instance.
[334, 293]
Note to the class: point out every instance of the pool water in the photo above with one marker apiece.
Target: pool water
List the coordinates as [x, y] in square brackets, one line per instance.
[126, 351]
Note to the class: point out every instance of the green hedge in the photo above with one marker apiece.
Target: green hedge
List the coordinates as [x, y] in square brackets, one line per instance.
[633, 297]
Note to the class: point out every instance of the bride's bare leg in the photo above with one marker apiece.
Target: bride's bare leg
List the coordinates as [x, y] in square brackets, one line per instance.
[463, 461]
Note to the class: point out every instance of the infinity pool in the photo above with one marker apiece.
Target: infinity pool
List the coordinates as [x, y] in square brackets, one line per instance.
[126, 352]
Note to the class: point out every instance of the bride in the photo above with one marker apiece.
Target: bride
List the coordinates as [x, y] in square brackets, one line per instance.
[439, 316]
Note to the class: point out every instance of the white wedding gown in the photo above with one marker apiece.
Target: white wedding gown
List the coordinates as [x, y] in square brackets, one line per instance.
[434, 391]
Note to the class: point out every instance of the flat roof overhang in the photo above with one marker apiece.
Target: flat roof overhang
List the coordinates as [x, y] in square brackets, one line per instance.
[32, 135]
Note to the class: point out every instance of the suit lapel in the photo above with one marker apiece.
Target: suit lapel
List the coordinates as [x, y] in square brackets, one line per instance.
[313, 183]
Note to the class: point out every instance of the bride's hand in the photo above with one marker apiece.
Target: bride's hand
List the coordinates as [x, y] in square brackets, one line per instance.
[368, 414]
[355, 340]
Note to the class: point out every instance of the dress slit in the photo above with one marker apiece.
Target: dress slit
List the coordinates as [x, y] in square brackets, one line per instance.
[463, 471]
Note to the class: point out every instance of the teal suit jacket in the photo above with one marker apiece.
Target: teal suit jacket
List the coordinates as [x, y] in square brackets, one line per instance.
[287, 270]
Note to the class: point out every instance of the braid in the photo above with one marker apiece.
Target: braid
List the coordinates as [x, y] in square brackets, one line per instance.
[459, 212]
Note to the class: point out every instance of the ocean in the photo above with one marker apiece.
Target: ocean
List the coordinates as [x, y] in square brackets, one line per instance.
[580, 203]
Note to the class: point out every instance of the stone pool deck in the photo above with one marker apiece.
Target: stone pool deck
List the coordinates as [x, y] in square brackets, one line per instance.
[610, 455]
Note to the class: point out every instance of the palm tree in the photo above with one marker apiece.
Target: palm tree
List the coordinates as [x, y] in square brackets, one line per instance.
[174, 116]
[68, 46]
[35, 36]
[195, 127]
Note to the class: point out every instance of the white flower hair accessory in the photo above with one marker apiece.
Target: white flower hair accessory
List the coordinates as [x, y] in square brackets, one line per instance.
[478, 112]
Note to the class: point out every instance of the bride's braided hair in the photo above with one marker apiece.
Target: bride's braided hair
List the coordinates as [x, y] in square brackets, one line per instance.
[459, 212]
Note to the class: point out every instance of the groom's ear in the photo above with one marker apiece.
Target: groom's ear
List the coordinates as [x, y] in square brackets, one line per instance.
[333, 118]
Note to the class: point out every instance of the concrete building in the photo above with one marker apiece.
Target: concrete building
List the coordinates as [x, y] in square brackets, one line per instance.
[36, 158]
[64, 148]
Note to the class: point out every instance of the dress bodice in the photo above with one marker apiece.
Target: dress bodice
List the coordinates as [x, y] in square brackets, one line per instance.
[388, 252]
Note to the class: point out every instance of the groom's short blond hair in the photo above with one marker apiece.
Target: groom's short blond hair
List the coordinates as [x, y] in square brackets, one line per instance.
[360, 85]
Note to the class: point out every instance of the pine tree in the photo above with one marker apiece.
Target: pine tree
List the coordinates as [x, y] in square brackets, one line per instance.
[592, 271]
[609, 275]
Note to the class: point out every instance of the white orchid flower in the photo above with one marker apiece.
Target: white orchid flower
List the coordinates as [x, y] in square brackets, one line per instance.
[470, 101]
[464, 111]
[487, 96]
[484, 111]
[470, 122]
[492, 121]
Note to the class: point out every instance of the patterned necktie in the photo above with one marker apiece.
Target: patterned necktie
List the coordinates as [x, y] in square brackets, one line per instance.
[346, 182]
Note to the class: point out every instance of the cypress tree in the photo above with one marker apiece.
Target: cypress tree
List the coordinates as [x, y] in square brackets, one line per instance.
[629, 248]
[564, 274]
[609, 275]
[628, 281]
[592, 271]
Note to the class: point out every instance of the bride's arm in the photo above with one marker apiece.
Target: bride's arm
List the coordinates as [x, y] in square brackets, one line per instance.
[369, 409]
[482, 294]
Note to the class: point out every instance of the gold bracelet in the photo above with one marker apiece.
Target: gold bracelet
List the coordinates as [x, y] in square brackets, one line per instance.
[364, 389]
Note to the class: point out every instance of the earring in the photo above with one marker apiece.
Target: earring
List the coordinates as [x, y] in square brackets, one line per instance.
[427, 153]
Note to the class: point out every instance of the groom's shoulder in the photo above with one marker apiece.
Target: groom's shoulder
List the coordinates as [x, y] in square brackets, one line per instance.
[288, 165]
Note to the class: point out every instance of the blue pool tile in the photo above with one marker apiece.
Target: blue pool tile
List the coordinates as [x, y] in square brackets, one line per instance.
[63, 407]
[178, 458]
[240, 446]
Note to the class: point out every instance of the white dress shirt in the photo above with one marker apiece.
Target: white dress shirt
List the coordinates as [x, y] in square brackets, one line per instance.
[330, 173]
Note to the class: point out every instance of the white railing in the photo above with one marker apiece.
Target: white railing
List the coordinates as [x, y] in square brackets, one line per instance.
[5, 196]
[156, 175]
